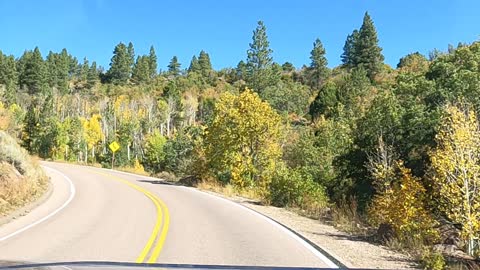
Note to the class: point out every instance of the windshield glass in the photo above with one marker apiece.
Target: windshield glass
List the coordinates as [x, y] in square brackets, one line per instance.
[239, 134]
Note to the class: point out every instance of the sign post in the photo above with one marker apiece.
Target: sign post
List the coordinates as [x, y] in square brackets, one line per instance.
[114, 146]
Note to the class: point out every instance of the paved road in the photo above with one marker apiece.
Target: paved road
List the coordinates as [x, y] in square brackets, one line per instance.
[98, 214]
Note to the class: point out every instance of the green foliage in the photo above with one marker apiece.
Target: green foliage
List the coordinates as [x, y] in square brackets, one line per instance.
[259, 66]
[288, 97]
[179, 152]
[154, 152]
[120, 65]
[152, 62]
[8, 78]
[204, 64]
[194, 65]
[349, 53]
[174, 66]
[361, 49]
[33, 72]
[292, 188]
[141, 70]
[318, 66]
[367, 52]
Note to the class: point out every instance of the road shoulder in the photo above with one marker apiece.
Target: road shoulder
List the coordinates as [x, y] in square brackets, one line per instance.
[347, 249]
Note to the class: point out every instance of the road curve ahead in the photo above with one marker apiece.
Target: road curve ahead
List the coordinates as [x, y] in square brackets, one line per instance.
[103, 215]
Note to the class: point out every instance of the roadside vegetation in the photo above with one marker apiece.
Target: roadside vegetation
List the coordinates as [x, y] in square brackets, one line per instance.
[392, 153]
[21, 178]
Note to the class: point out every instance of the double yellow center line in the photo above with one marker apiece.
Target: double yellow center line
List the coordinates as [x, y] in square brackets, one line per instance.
[162, 215]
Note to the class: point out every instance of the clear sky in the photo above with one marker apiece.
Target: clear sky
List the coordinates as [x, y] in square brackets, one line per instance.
[224, 28]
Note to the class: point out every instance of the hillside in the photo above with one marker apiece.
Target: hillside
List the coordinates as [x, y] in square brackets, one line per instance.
[21, 178]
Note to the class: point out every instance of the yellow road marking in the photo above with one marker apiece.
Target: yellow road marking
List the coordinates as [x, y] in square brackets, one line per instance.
[159, 204]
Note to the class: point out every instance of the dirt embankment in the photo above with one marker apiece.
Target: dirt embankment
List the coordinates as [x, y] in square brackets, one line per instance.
[21, 178]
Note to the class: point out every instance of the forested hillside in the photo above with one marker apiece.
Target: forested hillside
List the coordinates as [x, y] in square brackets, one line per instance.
[401, 142]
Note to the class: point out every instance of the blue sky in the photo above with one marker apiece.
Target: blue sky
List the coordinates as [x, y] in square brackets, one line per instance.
[224, 28]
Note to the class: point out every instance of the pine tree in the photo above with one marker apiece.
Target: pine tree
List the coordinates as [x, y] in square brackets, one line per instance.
[194, 65]
[204, 63]
[131, 56]
[92, 75]
[8, 77]
[152, 63]
[63, 63]
[241, 70]
[33, 75]
[318, 66]
[84, 70]
[174, 66]
[367, 52]
[141, 70]
[348, 56]
[119, 71]
[260, 74]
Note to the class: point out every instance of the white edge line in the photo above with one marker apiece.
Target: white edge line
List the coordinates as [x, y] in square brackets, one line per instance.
[70, 198]
[315, 252]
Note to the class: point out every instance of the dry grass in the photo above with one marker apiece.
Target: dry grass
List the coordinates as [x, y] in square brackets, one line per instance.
[229, 190]
[345, 217]
[21, 178]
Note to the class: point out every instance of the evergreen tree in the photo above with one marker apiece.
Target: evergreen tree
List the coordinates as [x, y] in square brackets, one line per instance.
[259, 61]
[141, 70]
[31, 128]
[8, 77]
[33, 76]
[174, 66]
[204, 63]
[367, 52]
[131, 56]
[63, 69]
[348, 56]
[92, 75]
[318, 66]
[51, 67]
[194, 65]
[84, 70]
[119, 71]
[241, 70]
[152, 63]
[288, 67]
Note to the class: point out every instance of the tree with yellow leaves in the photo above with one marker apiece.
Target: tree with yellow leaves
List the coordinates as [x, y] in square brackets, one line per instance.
[243, 140]
[455, 170]
[400, 197]
[92, 132]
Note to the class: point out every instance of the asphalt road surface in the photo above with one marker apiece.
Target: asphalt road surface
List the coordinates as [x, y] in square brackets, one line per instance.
[96, 214]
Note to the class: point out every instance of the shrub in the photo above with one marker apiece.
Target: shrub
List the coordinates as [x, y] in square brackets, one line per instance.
[21, 179]
[291, 188]
[432, 260]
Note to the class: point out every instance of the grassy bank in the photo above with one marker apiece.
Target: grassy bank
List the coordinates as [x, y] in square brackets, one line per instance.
[21, 178]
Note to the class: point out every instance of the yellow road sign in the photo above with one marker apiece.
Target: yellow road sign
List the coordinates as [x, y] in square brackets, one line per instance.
[114, 146]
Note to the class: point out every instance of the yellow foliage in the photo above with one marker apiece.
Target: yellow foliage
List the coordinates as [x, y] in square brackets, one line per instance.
[92, 130]
[455, 166]
[137, 167]
[244, 139]
[400, 203]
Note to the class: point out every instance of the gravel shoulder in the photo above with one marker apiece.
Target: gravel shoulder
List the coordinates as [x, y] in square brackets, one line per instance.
[349, 250]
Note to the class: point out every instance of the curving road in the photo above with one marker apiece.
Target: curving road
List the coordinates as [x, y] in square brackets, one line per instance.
[104, 215]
